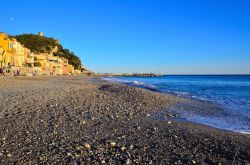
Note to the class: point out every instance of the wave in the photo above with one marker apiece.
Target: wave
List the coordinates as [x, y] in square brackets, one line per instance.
[222, 123]
[132, 83]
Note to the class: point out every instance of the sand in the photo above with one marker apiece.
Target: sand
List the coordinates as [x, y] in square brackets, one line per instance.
[81, 120]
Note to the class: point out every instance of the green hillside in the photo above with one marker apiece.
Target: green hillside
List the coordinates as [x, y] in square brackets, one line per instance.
[40, 44]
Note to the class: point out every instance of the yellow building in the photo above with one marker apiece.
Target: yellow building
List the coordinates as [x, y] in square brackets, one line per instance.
[58, 65]
[76, 71]
[55, 64]
[12, 53]
[28, 58]
[71, 69]
[40, 61]
[50, 61]
[1, 56]
[7, 45]
[18, 54]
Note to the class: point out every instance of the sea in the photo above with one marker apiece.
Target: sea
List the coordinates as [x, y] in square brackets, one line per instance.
[229, 96]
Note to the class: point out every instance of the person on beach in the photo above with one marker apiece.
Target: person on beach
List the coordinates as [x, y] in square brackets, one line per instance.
[1, 71]
[17, 73]
[34, 73]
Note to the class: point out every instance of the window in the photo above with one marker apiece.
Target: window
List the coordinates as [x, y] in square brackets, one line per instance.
[10, 45]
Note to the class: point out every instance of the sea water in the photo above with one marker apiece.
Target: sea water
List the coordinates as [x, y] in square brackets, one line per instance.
[231, 93]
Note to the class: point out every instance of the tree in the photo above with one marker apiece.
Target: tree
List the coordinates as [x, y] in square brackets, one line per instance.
[41, 44]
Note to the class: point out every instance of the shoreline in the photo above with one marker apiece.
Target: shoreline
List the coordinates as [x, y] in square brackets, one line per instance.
[194, 109]
[70, 119]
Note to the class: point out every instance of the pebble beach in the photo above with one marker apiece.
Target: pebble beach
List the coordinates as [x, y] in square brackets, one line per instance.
[85, 120]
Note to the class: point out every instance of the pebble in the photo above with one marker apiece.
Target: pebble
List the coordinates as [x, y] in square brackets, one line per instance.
[128, 161]
[148, 115]
[83, 122]
[87, 146]
[169, 122]
[113, 144]
[131, 146]
[9, 155]
[123, 148]
[193, 162]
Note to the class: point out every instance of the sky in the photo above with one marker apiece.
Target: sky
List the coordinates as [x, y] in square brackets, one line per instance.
[127, 36]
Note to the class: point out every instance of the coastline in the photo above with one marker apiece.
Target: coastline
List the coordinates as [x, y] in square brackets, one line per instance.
[71, 119]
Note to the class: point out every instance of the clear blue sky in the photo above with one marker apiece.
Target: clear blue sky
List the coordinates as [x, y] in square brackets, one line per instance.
[166, 36]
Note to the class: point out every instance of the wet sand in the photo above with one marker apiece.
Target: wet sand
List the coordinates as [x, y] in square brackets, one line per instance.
[79, 120]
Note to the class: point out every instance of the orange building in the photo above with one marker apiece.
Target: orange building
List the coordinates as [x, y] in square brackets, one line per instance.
[65, 66]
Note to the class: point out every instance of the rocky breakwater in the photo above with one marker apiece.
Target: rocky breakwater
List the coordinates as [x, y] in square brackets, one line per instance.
[142, 75]
[130, 75]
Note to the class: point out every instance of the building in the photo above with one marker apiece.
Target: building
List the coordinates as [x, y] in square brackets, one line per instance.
[58, 66]
[65, 66]
[28, 58]
[6, 45]
[18, 54]
[40, 61]
[71, 69]
[17, 57]
[1, 56]
[55, 66]
[40, 34]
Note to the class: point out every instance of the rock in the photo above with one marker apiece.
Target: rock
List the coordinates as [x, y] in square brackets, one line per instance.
[193, 162]
[83, 122]
[113, 144]
[128, 161]
[87, 146]
[169, 122]
[123, 148]
[9, 155]
[131, 146]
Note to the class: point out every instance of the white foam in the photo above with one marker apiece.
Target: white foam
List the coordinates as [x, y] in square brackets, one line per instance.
[138, 83]
[130, 82]
[221, 123]
[243, 132]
